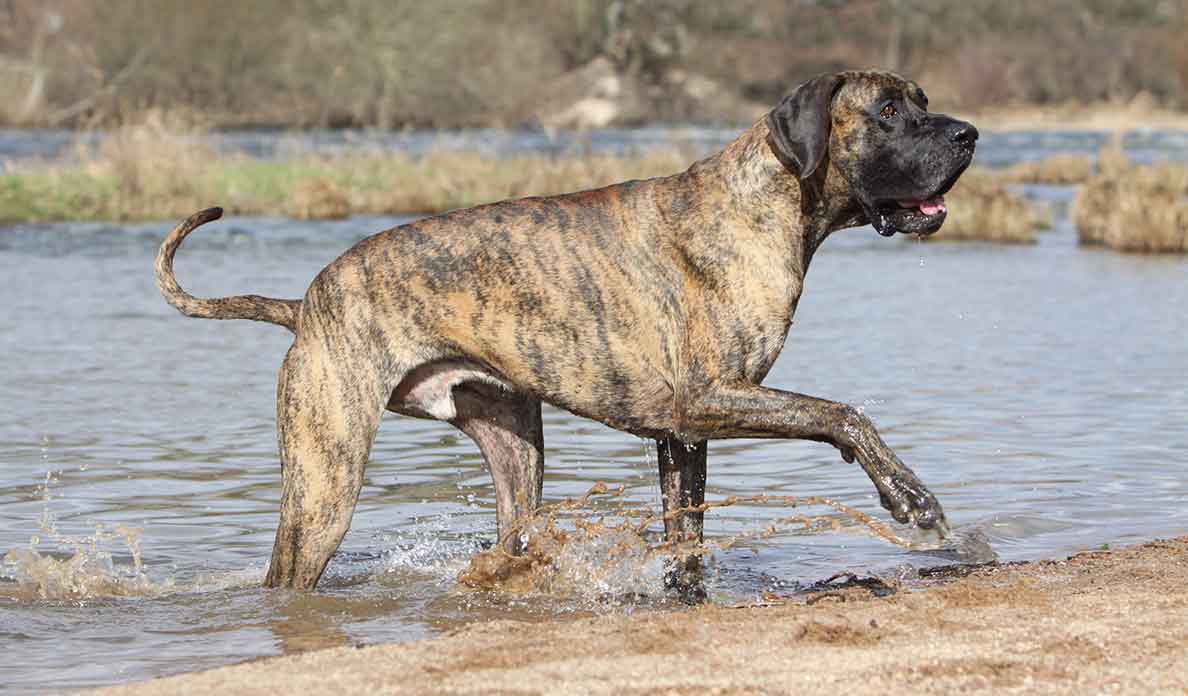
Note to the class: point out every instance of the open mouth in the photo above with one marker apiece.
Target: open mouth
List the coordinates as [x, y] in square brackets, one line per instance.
[922, 215]
[929, 207]
[910, 216]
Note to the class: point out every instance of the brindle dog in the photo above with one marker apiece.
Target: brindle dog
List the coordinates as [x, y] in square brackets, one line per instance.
[656, 307]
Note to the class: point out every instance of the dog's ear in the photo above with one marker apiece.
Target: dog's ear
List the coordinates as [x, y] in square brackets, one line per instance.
[799, 126]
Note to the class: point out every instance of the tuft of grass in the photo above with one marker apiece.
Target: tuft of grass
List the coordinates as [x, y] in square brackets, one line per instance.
[318, 199]
[1112, 159]
[982, 209]
[1139, 209]
[1063, 170]
[1091, 209]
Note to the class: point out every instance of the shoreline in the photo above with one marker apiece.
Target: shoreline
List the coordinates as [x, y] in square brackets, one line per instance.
[1100, 621]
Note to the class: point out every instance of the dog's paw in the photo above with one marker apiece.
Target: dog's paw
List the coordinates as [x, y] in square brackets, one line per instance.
[688, 586]
[910, 502]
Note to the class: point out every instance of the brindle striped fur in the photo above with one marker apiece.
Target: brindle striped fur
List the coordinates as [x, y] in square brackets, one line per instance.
[656, 307]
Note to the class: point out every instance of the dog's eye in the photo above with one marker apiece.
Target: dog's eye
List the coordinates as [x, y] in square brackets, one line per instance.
[888, 111]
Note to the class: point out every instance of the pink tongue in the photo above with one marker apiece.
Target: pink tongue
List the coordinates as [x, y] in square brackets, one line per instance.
[932, 206]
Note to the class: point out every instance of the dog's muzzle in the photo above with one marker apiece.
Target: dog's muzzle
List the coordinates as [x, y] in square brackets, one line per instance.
[924, 214]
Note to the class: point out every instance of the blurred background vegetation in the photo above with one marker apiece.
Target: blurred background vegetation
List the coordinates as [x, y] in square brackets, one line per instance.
[507, 63]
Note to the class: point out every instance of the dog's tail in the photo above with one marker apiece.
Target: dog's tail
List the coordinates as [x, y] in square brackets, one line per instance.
[254, 307]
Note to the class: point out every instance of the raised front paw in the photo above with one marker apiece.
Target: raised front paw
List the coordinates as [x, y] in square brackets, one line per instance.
[910, 502]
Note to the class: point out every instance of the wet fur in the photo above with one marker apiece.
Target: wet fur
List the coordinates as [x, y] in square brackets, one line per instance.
[656, 307]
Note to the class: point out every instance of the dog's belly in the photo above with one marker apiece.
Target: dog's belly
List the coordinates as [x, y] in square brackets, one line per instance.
[428, 391]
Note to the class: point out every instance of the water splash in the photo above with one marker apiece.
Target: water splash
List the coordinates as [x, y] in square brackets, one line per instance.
[77, 568]
[573, 549]
[434, 547]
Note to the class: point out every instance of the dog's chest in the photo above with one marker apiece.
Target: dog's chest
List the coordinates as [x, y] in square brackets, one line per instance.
[739, 331]
[743, 282]
[760, 342]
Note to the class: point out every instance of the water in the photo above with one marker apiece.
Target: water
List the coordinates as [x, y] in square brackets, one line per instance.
[1039, 391]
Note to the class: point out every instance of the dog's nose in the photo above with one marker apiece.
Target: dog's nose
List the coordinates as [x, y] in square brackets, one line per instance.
[963, 133]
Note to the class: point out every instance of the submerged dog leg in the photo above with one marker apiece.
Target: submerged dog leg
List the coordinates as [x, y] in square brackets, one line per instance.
[747, 410]
[682, 484]
[507, 429]
[327, 418]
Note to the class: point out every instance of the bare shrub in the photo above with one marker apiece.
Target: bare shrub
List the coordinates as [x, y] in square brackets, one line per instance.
[1141, 209]
[483, 62]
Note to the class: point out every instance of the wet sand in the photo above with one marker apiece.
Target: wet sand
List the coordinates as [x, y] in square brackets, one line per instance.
[1099, 622]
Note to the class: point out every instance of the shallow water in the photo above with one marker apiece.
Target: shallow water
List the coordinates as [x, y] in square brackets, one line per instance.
[1039, 391]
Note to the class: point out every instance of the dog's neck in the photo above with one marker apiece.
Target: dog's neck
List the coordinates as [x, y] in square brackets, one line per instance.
[805, 212]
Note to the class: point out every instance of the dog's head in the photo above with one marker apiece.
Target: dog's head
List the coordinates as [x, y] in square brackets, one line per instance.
[897, 159]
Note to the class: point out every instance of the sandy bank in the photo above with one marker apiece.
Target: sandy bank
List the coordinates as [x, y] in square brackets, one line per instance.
[1099, 622]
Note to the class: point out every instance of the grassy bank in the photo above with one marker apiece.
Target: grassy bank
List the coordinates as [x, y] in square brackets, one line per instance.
[148, 172]
[304, 187]
[1141, 209]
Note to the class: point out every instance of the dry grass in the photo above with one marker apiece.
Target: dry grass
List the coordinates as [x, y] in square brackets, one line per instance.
[158, 169]
[152, 164]
[981, 209]
[318, 199]
[1064, 170]
[1141, 209]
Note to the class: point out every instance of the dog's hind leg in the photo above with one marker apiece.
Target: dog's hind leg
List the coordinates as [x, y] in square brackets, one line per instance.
[328, 411]
[682, 485]
[507, 429]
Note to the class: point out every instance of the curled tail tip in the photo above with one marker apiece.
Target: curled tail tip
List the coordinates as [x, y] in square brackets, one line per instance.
[204, 216]
[254, 307]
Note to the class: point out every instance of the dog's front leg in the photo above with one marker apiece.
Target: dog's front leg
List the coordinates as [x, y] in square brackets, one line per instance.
[682, 485]
[747, 410]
